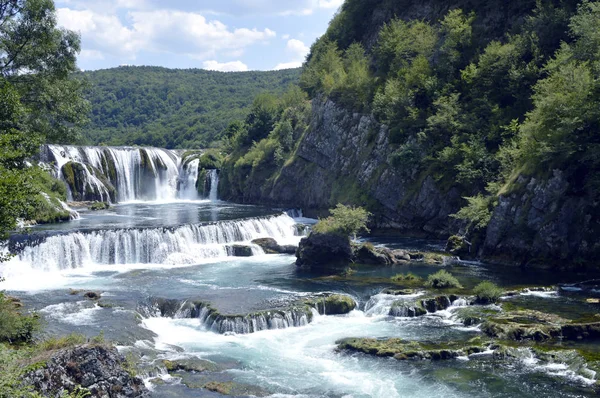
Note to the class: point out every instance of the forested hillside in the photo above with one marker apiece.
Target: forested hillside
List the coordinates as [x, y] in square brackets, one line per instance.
[477, 118]
[172, 108]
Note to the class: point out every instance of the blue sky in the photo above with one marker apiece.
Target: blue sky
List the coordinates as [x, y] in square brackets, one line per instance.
[226, 35]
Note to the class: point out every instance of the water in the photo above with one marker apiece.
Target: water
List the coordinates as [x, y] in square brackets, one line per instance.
[162, 265]
[133, 173]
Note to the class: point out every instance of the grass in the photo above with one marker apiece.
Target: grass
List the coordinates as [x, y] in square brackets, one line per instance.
[443, 280]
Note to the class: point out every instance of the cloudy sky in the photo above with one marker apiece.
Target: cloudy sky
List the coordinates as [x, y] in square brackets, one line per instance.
[226, 35]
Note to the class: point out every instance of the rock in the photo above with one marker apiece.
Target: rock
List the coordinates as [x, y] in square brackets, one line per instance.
[270, 246]
[398, 292]
[407, 309]
[92, 295]
[331, 304]
[403, 350]
[240, 250]
[99, 369]
[99, 206]
[458, 246]
[538, 326]
[420, 307]
[324, 251]
[189, 365]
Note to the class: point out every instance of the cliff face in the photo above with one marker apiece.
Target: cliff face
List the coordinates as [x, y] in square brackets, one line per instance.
[343, 157]
[544, 224]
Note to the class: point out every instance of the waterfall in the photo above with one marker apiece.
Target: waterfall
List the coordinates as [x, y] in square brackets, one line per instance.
[296, 315]
[132, 173]
[213, 178]
[187, 244]
[188, 176]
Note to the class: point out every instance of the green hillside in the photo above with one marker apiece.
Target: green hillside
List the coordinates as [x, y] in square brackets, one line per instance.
[172, 108]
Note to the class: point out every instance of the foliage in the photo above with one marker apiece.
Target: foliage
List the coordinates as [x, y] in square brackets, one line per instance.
[39, 101]
[487, 292]
[15, 327]
[344, 220]
[442, 280]
[408, 277]
[261, 145]
[190, 108]
[478, 211]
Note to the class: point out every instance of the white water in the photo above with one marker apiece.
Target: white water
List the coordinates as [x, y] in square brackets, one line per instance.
[188, 178]
[188, 244]
[302, 361]
[130, 180]
[213, 177]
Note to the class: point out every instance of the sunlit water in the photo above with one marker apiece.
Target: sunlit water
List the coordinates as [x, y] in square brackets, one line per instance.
[296, 361]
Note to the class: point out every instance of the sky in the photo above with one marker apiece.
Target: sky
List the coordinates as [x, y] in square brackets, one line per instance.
[223, 35]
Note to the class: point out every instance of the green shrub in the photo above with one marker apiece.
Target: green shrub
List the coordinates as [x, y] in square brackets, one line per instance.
[442, 280]
[487, 292]
[57, 343]
[409, 277]
[344, 220]
[14, 327]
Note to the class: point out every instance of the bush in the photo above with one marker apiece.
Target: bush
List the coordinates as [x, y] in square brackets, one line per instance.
[487, 292]
[409, 277]
[344, 220]
[14, 327]
[442, 280]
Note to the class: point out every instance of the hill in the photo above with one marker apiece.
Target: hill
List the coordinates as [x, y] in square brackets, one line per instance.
[172, 108]
[467, 117]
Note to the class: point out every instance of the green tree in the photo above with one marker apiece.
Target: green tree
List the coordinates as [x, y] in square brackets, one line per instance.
[39, 101]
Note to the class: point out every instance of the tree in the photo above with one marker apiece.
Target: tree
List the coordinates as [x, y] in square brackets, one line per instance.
[39, 100]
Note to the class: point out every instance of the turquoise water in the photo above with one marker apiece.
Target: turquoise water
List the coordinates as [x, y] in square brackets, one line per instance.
[296, 361]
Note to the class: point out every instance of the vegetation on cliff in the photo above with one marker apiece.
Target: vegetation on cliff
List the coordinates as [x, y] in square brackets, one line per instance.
[477, 98]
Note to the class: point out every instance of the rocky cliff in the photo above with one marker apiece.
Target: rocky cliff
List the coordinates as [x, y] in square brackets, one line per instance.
[544, 223]
[343, 157]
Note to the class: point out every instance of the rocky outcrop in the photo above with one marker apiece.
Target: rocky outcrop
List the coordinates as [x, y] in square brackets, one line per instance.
[420, 307]
[324, 251]
[544, 223]
[270, 246]
[538, 326]
[403, 350]
[331, 251]
[97, 369]
[299, 312]
[343, 157]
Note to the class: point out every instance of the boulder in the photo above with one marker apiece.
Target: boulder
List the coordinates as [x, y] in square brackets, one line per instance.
[239, 250]
[270, 246]
[99, 369]
[324, 251]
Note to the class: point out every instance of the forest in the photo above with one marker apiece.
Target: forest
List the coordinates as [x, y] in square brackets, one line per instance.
[475, 105]
[171, 108]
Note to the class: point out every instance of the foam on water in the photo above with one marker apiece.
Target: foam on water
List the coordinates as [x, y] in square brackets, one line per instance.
[302, 360]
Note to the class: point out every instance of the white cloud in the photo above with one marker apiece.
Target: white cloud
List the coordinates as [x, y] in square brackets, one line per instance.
[297, 51]
[234, 66]
[288, 65]
[285, 37]
[91, 54]
[330, 3]
[165, 31]
[297, 48]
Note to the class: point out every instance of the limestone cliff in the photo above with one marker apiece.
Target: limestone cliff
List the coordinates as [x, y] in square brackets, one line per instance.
[343, 157]
[544, 223]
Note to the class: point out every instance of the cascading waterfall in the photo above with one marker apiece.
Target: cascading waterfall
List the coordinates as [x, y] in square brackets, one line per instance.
[188, 244]
[188, 173]
[213, 178]
[128, 173]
